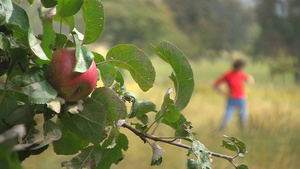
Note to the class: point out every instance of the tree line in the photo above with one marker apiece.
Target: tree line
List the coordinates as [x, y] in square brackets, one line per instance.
[202, 27]
[205, 28]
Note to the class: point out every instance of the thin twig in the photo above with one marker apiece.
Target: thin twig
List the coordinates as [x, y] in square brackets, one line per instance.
[144, 137]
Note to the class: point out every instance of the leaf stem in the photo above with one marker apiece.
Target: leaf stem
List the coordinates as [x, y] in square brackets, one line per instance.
[159, 119]
[90, 153]
[106, 61]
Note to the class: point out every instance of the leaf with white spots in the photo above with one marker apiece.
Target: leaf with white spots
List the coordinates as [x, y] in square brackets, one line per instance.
[93, 15]
[134, 60]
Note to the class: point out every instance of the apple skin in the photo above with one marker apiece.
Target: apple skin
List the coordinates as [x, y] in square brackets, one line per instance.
[72, 86]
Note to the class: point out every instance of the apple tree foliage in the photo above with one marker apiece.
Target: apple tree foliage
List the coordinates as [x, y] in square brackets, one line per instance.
[90, 128]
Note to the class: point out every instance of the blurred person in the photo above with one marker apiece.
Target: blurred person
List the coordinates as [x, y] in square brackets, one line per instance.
[236, 95]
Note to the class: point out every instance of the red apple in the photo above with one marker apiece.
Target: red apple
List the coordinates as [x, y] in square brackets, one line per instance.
[72, 86]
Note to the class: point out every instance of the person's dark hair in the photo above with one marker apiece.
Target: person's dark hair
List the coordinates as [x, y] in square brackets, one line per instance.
[239, 64]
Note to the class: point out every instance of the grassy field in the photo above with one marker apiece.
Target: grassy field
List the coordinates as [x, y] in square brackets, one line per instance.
[272, 136]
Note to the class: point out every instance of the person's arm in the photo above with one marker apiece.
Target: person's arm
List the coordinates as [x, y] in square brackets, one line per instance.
[250, 79]
[217, 85]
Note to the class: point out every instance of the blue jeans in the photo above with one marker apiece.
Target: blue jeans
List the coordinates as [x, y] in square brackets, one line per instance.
[233, 104]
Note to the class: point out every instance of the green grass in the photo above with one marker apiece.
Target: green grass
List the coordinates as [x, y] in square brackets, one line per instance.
[272, 136]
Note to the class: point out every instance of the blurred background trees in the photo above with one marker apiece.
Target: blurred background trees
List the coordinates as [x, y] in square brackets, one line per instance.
[201, 28]
[280, 32]
[214, 25]
[265, 30]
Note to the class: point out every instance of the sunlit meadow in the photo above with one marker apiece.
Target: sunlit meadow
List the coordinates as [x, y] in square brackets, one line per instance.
[272, 136]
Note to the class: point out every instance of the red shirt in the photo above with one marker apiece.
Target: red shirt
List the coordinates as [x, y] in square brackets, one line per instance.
[235, 81]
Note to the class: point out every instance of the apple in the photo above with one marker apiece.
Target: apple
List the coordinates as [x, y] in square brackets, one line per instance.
[72, 86]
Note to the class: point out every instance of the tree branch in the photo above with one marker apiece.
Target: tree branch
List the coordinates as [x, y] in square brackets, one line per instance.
[144, 137]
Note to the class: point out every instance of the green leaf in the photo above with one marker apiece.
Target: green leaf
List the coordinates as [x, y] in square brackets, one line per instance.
[140, 127]
[30, 1]
[23, 115]
[134, 60]
[176, 125]
[48, 3]
[182, 76]
[7, 106]
[184, 131]
[61, 41]
[84, 60]
[144, 119]
[88, 158]
[107, 71]
[36, 87]
[15, 85]
[120, 78]
[2, 15]
[69, 143]
[139, 109]
[33, 136]
[131, 98]
[114, 106]
[48, 40]
[36, 48]
[90, 123]
[6, 10]
[19, 18]
[242, 166]
[66, 8]
[10, 56]
[229, 145]
[118, 89]
[168, 110]
[142, 108]
[5, 46]
[111, 140]
[51, 133]
[234, 144]
[93, 16]
[17, 55]
[9, 102]
[171, 114]
[84, 57]
[9, 159]
[113, 155]
[202, 154]
[192, 164]
[157, 153]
